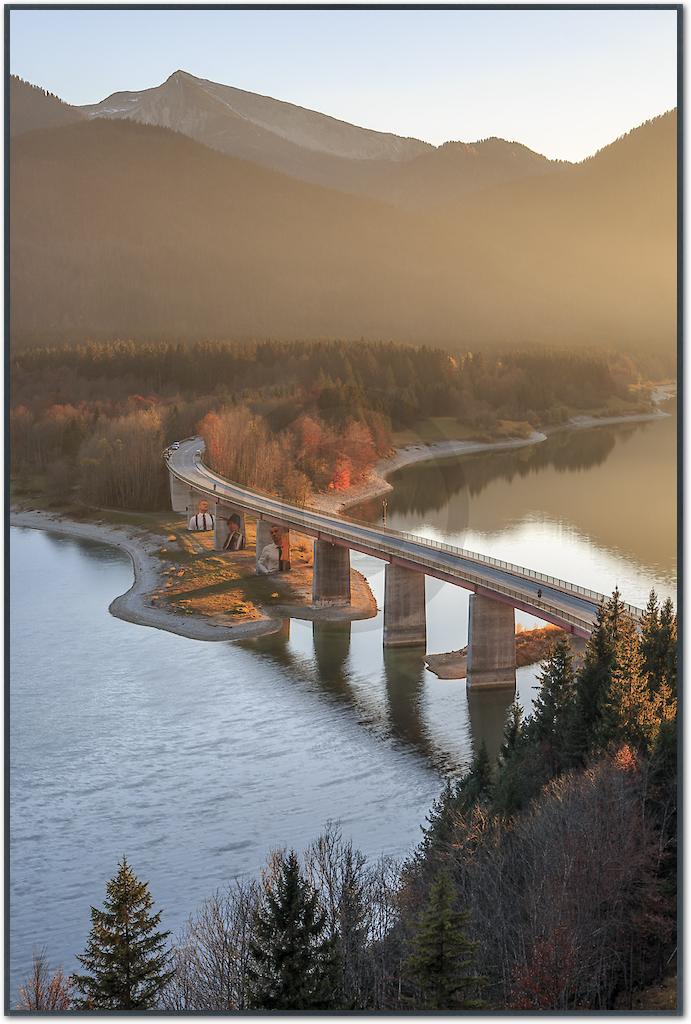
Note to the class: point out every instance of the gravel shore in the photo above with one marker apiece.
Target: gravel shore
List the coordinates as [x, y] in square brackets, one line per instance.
[141, 545]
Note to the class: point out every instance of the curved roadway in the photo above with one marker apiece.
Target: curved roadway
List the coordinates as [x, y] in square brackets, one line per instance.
[561, 603]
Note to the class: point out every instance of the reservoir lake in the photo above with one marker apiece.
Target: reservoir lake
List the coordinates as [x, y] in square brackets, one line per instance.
[195, 759]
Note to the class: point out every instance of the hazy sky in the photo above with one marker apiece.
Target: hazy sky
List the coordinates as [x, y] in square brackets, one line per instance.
[564, 83]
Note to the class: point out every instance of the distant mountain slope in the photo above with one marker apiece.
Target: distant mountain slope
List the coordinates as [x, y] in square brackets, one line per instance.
[594, 244]
[185, 102]
[278, 135]
[32, 108]
[320, 149]
[454, 171]
[120, 229]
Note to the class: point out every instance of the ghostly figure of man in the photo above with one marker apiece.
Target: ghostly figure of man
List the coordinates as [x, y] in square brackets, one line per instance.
[269, 560]
[236, 538]
[202, 520]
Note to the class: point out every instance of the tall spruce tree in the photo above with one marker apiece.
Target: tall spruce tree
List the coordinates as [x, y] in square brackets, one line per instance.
[594, 681]
[442, 958]
[441, 819]
[125, 957]
[293, 964]
[476, 786]
[649, 639]
[553, 707]
[521, 771]
[667, 646]
[628, 714]
[513, 731]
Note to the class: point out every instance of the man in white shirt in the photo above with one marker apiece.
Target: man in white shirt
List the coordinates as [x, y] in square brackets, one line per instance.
[202, 520]
[269, 560]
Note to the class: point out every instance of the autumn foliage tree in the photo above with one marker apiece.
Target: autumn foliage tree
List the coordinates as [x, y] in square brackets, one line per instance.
[43, 991]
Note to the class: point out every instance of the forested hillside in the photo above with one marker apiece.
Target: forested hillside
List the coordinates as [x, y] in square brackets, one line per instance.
[32, 108]
[287, 417]
[125, 230]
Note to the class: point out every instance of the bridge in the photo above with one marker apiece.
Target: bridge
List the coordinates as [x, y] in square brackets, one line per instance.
[498, 588]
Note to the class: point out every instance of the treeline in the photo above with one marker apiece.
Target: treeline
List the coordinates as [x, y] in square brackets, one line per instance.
[32, 108]
[544, 882]
[311, 415]
[403, 382]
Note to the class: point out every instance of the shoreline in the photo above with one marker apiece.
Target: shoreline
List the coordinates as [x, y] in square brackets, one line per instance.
[377, 483]
[141, 545]
[135, 604]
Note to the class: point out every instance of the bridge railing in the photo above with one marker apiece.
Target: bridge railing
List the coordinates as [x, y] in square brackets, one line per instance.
[300, 515]
[516, 570]
[520, 597]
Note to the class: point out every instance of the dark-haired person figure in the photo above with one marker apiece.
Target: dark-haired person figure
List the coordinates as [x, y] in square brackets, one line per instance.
[236, 538]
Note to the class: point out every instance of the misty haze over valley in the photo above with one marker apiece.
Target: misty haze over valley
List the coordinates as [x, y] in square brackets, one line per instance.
[196, 210]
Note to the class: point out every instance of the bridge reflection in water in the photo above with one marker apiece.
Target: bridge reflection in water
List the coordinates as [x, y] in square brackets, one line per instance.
[396, 697]
[498, 587]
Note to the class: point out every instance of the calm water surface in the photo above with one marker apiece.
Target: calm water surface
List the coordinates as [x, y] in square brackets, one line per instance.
[197, 758]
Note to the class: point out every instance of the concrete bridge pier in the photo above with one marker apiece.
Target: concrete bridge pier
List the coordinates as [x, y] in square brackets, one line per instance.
[331, 574]
[185, 499]
[404, 607]
[181, 495]
[491, 643]
[269, 535]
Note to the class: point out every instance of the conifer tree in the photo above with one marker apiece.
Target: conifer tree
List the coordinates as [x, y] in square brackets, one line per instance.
[667, 646]
[477, 784]
[628, 713]
[649, 640]
[442, 958]
[553, 705]
[521, 770]
[292, 961]
[456, 799]
[438, 832]
[513, 731]
[125, 958]
[594, 681]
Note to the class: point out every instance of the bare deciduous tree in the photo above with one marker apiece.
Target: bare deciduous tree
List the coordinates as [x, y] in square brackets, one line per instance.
[210, 957]
[45, 992]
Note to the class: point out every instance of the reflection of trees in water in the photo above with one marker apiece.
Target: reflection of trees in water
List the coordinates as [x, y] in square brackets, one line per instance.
[428, 486]
[487, 713]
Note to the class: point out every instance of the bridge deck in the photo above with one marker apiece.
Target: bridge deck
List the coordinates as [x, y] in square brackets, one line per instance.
[561, 603]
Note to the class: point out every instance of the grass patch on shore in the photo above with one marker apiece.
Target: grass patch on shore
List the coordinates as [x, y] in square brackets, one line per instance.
[433, 430]
[437, 429]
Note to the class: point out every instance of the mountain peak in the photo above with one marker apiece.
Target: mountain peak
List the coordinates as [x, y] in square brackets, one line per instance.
[272, 132]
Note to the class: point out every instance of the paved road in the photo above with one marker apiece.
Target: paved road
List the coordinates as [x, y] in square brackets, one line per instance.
[561, 603]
